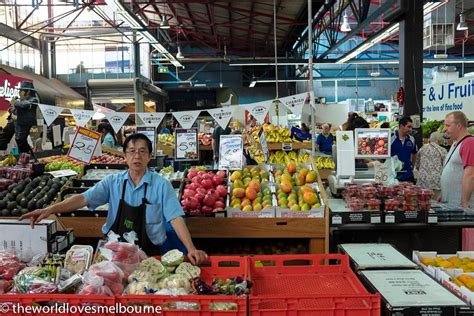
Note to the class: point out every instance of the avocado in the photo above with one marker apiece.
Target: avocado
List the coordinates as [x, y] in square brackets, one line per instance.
[19, 197]
[31, 205]
[3, 194]
[43, 183]
[5, 212]
[24, 211]
[10, 196]
[56, 186]
[11, 187]
[15, 212]
[30, 196]
[18, 189]
[23, 202]
[50, 182]
[3, 204]
[11, 205]
[40, 203]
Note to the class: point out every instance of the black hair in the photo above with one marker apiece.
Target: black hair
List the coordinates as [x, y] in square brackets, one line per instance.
[404, 121]
[109, 129]
[134, 137]
[385, 125]
[357, 122]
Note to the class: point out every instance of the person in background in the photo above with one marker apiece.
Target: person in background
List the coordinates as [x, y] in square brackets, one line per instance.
[404, 147]
[457, 178]
[139, 199]
[430, 164]
[304, 128]
[167, 129]
[109, 138]
[325, 140]
[216, 139]
[385, 125]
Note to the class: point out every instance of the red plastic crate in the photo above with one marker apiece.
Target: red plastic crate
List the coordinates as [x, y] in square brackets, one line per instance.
[216, 267]
[307, 285]
[78, 304]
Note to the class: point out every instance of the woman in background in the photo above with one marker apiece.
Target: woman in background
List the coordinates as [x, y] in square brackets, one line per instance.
[109, 138]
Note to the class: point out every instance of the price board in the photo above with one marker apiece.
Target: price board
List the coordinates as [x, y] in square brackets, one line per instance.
[381, 173]
[149, 132]
[231, 152]
[263, 142]
[186, 146]
[84, 144]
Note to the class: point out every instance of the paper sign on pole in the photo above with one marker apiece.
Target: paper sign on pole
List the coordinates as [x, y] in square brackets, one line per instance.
[186, 119]
[151, 119]
[231, 152]
[81, 116]
[149, 132]
[187, 144]
[263, 142]
[222, 115]
[57, 140]
[84, 144]
[50, 112]
[295, 103]
[259, 110]
[116, 119]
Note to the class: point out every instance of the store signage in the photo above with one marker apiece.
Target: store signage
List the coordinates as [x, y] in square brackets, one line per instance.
[84, 144]
[263, 142]
[295, 103]
[186, 119]
[287, 146]
[259, 110]
[186, 144]
[9, 88]
[81, 116]
[151, 119]
[149, 132]
[231, 152]
[381, 173]
[442, 98]
[116, 119]
[377, 256]
[50, 112]
[222, 115]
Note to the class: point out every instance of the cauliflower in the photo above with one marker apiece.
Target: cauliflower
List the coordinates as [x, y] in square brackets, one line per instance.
[175, 281]
[172, 258]
[188, 270]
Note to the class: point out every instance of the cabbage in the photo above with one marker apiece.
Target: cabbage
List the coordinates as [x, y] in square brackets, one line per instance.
[188, 270]
[172, 258]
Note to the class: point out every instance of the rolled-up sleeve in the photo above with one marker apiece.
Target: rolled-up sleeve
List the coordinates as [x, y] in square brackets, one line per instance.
[99, 194]
[171, 207]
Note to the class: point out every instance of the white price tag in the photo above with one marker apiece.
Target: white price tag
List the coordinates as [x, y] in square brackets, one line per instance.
[62, 173]
[381, 173]
[336, 220]
[263, 142]
[375, 220]
[84, 144]
[389, 219]
[231, 152]
[287, 146]
[186, 144]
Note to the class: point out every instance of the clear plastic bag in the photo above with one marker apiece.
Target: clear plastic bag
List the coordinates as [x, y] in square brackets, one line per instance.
[104, 277]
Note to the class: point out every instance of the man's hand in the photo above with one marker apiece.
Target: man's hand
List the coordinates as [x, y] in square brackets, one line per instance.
[36, 216]
[197, 256]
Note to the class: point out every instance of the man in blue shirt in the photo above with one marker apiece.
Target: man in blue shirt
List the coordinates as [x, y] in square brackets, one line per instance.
[139, 200]
[404, 147]
[325, 140]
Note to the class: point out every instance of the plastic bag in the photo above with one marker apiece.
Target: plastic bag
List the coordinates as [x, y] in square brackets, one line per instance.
[9, 264]
[103, 278]
[32, 280]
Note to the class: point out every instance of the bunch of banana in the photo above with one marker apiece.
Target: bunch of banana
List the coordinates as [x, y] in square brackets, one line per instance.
[284, 158]
[9, 161]
[278, 135]
[324, 163]
[166, 140]
[257, 155]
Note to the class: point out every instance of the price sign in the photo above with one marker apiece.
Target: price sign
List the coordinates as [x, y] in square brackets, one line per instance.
[381, 173]
[287, 146]
[231, 152]
[186, 144]
[84, 144]
[149, 132]
[263, 142]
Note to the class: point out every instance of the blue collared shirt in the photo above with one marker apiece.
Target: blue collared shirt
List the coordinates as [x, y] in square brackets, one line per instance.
[163, 205]
[404, 152]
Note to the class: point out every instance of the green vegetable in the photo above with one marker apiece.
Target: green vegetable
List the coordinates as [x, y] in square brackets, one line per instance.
[172, 258]
[188, 270]
[429, 127]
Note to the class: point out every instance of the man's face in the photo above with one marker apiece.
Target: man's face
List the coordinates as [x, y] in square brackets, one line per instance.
[406, 129]
[23, 94]
[452, 129]
[325, 129]
[137, 155]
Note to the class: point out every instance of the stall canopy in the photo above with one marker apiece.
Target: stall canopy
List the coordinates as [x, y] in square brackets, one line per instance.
[50, 91]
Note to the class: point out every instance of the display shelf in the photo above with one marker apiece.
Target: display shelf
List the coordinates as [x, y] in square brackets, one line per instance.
[296, 145]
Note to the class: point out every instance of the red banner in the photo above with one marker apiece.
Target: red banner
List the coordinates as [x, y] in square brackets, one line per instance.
[8, 89]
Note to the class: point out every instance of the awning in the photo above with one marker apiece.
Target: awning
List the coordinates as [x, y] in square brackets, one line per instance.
[50, 91]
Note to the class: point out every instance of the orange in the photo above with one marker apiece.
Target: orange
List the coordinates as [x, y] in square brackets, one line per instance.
[310, 198]
[250, 193]
[286, 187]
[291, 167]
[254, 184]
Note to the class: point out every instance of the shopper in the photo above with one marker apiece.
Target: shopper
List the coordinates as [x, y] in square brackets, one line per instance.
[404, 147]
[430, 164]
[325, 140]
[139, 200]
[457, 178]
[216, 138]
[109, 138]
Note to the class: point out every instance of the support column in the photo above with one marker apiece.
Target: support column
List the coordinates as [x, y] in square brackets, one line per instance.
[44, 53]
[411, 62]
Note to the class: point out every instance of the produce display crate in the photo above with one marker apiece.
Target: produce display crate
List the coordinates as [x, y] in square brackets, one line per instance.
[75, 302]
[83, 183]
[317, 212]
[307, 285]
[268, 212]
[84, 212]
[340, 214]
[181, 188]
[216, 267]
[105, 166]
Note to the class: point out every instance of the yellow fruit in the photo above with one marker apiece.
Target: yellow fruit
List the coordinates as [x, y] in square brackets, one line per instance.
[304, 171]
[305, 189]
[235, 175]
[446, 264]
[305, 207]
[311, 177]
[238, 192]
[245, 202]
[310, 198]
[291, 167]
[247, 208]
[295, 208]
[238, 184]
[285, 178]
[257, 207]
[286, 187]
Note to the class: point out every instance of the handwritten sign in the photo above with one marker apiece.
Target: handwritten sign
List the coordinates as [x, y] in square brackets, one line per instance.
[231, 152]
[263, 142]
[149, 132]
[186, 144]
[84, 144]
[381, 173]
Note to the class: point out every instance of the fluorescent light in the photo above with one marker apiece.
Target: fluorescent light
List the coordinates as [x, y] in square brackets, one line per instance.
[462, 25]
[164, 25]
[125, 100]
[375, 73]
[345, 26]
[328, 79]
[440, 56]
[179, 55]
[252, 84]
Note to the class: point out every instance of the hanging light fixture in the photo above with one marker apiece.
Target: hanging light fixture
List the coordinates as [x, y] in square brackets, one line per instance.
[164, 25]
[345, 26]
[179, 55]
[462, 25]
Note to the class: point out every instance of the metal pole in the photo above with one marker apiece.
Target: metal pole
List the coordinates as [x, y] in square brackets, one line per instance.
[310, 74]
[277, 103]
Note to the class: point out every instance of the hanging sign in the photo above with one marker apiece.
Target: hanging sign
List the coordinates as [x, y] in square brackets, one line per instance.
[9, 89]
[231, 149]
[259, 110]
[151, 119]
[263, 142]
[84, 144]
[186, 144]
[149, 132]
[116, 119]
[81, 116]
[186, 119]
[50, 112]
[295, 103]
[222, 115]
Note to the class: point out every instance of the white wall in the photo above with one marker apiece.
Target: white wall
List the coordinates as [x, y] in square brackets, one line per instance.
[332, 113]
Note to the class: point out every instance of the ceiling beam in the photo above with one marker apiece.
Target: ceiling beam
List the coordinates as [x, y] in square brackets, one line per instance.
[257, 13]
[249, 36]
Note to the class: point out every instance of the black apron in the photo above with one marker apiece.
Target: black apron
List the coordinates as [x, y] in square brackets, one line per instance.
[134, 218]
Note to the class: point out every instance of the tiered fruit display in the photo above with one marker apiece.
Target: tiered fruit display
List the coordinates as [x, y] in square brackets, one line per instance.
[297, 199]
[62, 163]
[248, 194]
[204, 192]
[166, 140]
[28, 195]
[10, 160]
[294, 175]
[284, 158]
[107, 158]
[324, 163]
[454, 262]
[273, 134]
[465, 280]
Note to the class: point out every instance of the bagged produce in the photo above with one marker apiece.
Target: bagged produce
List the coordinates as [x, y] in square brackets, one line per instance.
[33, 280]
[103, 278]
[9, 265]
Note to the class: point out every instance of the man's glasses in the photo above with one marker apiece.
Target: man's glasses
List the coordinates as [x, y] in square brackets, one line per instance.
[132, 152]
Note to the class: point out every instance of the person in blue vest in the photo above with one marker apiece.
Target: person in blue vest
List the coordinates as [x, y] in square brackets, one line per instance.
[325, 140]
[404, 147]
